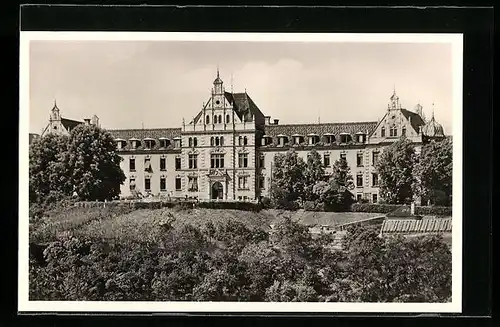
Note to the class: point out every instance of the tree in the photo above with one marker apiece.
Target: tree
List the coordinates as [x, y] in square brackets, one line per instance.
[342, 174]
[396, 172]
[335, 193]
[48, 171]
[288, 180]
[313, 172]
[94, 164]
[434, 172]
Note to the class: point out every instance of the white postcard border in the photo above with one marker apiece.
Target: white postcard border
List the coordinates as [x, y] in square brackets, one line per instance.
[24, 305]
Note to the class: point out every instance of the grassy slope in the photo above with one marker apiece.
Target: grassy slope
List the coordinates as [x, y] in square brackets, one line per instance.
[144, 224]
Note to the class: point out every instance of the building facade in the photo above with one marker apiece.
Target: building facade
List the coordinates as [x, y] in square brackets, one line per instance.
[227, 151]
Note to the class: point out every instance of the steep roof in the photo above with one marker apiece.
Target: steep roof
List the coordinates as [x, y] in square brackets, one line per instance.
[244, 105]
[320, 129]
[414, 118]
[70, 123]
[141, 134]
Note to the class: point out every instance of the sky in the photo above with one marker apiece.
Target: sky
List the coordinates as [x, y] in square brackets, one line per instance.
[155, 84]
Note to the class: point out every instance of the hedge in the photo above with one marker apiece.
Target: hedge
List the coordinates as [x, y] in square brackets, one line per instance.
[246, 206]
[387, 208]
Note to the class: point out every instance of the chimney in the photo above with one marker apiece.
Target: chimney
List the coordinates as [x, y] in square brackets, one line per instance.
[87, 121]
[267, 120]
[276, 121]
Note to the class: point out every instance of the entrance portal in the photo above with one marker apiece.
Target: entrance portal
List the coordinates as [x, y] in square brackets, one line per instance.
[217, 191]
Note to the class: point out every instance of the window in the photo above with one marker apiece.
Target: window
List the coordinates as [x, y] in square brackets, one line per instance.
[261, 161]
[382, 132]
[193, 184]
[131, 164]
[240, 140]
[195, 141]
[177, 163]
[220, 119]
[359, 197]
[221, 140]
[163, 184]
[243, 160]
[190, 142]
[163, 164]
[393, 131]
[193, 161]
[375, 158]
[177, 143]
[216, 141]
[261, 182]
[359, 159]
[178, 184]
[375, 198]
[208, 119]
[227, 119]
[212, 141]
[132, 184]
[243, 182]
[375, 180]
[359, 180]
[147, 184]
[245, 140]
[326, 159]
[217, 160]
[147, 164]
[343, 156]
[403, 131]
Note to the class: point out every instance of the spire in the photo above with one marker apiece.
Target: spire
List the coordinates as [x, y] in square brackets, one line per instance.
[55, 105]
[432, 111]
[217, 70]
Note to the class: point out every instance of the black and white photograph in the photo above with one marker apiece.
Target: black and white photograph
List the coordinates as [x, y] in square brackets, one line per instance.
[243, 172]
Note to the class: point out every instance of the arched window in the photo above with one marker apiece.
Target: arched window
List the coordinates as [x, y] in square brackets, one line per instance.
[208, 119]
[382, 132]
[403, 131]
[222, 140]
[195, 141]
[245, 140]
[240, 140]
[220, 119]
[227, 118]
[190, 142]
[216, 141]
[212, 141]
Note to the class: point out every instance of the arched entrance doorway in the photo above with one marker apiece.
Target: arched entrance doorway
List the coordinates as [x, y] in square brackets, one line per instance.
[217, 191]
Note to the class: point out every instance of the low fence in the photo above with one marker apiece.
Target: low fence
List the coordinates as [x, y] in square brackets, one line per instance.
[364, 222]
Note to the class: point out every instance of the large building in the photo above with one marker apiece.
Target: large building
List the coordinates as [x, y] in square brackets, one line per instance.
[227, 151]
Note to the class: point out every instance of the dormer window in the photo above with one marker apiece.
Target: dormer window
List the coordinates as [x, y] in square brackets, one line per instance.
[329, 138]
[266, 140]
[164, 142]
[360, 137]
[282, 140]
[149, 143]
[177, 142]
[345, 138]
[313, 138]
[134, 143]
[120, 143]
[297, 139]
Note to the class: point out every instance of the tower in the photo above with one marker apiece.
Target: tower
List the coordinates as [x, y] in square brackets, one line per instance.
[394, 101]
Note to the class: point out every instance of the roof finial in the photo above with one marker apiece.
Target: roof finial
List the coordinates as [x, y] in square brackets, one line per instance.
[432, 111]
[217, 70]
[231, 82]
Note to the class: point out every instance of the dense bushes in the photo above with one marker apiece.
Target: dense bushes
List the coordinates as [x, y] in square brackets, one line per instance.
[387, 208]
[231, 262]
